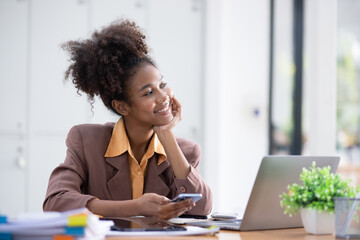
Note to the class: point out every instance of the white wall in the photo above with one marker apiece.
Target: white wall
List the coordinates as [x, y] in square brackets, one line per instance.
[236, 85]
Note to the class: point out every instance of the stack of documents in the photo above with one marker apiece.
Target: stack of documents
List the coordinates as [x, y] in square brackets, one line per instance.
[74, 224]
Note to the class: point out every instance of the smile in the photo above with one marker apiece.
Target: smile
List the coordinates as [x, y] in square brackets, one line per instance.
[166, 108]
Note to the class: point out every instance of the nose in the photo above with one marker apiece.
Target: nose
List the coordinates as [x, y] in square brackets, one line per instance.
[162, 97]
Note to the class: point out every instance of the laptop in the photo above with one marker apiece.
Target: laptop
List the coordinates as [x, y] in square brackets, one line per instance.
[263, 210]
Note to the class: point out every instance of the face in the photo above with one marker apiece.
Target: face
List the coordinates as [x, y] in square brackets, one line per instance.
[149, 97]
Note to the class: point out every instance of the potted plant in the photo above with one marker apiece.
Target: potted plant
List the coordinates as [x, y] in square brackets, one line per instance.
[315, 198]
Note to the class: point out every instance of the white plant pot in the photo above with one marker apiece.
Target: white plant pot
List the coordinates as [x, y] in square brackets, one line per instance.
[316, 222]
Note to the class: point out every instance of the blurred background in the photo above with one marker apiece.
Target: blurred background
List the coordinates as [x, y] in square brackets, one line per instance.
[254, 78]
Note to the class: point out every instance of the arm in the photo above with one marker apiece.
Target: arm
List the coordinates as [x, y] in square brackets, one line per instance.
[194, 183]
[65, 187]
[184, 158]
[150, 204]
[176, 157]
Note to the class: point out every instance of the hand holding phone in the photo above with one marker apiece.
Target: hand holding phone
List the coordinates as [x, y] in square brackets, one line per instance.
[182, 196]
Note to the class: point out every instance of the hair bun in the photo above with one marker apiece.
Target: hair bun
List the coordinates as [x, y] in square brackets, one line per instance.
[103, 64]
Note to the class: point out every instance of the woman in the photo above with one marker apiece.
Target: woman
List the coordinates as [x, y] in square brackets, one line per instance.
[133, 167]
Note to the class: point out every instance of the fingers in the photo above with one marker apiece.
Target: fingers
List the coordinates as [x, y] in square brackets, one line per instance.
[176, 113]
[175, 209]
[155, 198]
[165, 200]
[183, 206]
[176, 106]
[175, 110]
[162, 207]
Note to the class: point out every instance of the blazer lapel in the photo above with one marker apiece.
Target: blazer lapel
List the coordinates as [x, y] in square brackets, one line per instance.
[154, 183]
[119, 185]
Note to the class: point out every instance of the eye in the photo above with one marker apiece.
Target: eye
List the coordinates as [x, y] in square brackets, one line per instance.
[163, 85]
[148, 93]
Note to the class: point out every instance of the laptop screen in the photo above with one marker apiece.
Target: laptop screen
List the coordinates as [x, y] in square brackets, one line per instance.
[263, 210]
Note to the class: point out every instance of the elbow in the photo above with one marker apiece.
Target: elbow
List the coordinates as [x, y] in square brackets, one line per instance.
[48, 205]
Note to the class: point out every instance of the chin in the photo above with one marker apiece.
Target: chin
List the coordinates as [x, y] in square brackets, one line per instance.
[164, 121]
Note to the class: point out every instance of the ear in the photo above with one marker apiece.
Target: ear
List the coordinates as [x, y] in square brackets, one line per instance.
[121, 107]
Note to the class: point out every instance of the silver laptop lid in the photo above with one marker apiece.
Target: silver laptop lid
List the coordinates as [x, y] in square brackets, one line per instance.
[263, 210]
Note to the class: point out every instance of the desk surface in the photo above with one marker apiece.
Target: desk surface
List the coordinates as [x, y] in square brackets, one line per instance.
[293, 233]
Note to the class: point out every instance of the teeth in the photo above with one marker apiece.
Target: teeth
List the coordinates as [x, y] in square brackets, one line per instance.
[164, 109]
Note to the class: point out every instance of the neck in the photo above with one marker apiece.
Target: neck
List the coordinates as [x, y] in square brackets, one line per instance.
[139, 137]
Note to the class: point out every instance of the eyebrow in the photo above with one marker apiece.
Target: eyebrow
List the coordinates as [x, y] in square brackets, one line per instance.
[149, 85]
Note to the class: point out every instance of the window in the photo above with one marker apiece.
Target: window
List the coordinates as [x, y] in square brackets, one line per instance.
[348, 81]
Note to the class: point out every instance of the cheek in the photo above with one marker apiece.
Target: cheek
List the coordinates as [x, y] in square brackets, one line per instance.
[147, 106]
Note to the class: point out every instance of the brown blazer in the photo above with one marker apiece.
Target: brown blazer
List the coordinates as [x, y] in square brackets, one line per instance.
[86, 174]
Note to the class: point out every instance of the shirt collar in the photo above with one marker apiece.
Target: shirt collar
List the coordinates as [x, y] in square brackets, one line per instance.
[119, 143]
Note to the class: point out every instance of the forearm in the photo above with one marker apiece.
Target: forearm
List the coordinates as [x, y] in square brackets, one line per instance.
[110, 208]
[196, 184]
[178, 162]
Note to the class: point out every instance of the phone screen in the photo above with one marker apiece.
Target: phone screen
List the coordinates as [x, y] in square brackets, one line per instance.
[194, 196]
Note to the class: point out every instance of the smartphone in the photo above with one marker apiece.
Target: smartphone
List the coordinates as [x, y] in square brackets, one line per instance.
[182, 196]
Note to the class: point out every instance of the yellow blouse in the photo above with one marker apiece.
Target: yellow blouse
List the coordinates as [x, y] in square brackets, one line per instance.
[119, 144]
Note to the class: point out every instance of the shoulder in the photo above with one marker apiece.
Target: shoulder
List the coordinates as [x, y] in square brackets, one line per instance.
[189, 148]
[88, 133]
[91, 129]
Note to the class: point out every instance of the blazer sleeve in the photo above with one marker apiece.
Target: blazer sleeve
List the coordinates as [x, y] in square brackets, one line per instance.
[66, 182]
[194, 183]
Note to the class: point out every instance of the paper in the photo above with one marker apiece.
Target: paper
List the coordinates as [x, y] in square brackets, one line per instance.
[79, 223]
[190, 230]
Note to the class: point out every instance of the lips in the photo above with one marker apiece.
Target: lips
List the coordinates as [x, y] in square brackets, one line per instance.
[163, 108]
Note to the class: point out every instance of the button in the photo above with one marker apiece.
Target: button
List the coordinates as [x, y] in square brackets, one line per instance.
[139, 173]
[182, 189]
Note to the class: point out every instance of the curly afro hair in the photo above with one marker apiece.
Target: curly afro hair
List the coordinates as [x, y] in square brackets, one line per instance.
[104, 64]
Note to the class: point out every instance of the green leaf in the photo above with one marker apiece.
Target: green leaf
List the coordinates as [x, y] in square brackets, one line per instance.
[318, 189]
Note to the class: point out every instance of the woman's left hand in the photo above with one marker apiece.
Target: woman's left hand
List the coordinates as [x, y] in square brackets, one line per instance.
[167, 138]
[176, 112]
